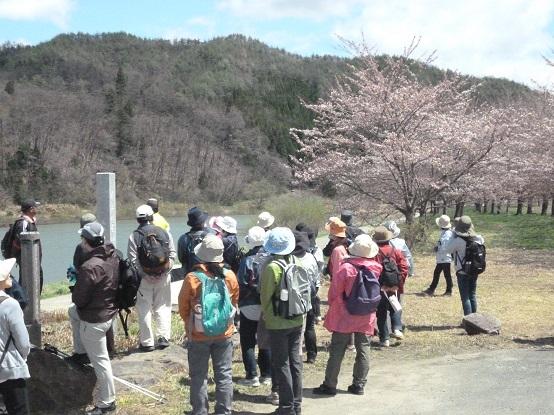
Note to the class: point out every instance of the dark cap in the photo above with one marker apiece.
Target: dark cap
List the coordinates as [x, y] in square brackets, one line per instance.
[196, 218]
[302, 243]
[28, 204]
[346, 217]
[153, 203]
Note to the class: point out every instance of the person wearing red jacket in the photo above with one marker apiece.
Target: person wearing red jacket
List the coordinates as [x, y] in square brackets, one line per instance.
[382, 237]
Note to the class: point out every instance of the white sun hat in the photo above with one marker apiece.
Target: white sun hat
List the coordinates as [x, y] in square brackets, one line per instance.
[265, 220]
[443, 222]
[227, 223]
[363, 246]
[5, 268]
[255, 237]
[210, 249]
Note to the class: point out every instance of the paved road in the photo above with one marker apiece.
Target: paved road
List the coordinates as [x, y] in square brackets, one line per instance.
[489, 383]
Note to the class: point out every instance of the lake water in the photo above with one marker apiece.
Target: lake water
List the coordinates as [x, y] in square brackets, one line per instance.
[59, 241]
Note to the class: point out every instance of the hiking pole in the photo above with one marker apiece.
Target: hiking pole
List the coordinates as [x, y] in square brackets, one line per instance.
[157, 397]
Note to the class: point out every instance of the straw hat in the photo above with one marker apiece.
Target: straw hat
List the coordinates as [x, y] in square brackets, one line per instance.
[255, 237]
[210, 249]
[464, 227]
[5, 268]
[265, 220]
[336, 227]
[443, 222]
[363, 246]
[382, 234]
[279, 241]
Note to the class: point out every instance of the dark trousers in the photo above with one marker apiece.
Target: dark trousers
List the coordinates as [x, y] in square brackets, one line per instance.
[395, 318]
[444, 268]
[310, 339]
[316, 305]
[467, 285]
[248, 329]
[287, 364]
[14, 392]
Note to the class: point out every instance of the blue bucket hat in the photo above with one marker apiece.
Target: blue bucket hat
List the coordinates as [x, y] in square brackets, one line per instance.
[279, 241]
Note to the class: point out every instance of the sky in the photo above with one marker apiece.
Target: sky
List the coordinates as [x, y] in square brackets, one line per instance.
[502, 38]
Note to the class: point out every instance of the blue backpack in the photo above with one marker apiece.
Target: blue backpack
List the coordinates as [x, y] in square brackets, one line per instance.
[217, 309]
[365, 295]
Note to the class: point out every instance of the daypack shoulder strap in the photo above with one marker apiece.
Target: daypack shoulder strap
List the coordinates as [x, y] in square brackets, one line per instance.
[10, 338]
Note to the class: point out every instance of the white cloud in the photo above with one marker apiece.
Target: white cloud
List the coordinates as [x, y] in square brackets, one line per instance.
[55, 11]
[199, 27]
[503, 38]
[278, 9]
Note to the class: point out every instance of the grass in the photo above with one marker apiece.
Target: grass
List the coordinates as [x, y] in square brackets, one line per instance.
[55, 289]
[516, 288]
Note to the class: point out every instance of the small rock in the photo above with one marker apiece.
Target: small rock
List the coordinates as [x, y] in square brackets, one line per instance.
[477, 323]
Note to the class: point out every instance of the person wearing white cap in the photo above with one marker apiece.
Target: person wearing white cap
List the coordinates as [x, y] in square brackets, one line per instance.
[443, 257]
[400, 244]
[14, 347]
[231, 251]
[265, 220]
[285, 333]
[154, 294]
[93, 309]
[209, 276]
[248, 277]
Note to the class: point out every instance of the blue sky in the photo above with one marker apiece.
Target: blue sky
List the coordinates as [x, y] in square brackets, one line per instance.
[505, 38]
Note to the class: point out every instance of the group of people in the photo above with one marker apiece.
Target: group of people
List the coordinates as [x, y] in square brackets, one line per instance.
[269, 292]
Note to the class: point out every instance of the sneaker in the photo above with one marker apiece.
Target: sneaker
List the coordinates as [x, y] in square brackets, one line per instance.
[162, 342]
[310, 360]
[397, 334]
[252, 383]
[351, 348]
[429, 292]
[448, 293]
[146, 349]
[99, 411]
[318, 320]
[265, 380]
[323, 389]
[384, 343]
[356, 390]
[273, 398]
[79, 359]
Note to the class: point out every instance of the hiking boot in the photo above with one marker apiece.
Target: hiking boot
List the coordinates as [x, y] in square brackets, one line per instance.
[99, 411]
[79, 359]
[447, 294]
[429, 292]
[273, 398]
[162, 342]
[397, 334]
[384, 343]
[356, 389]
[252, 383]
[265, 380]
[310, 360]
[146, 349]
[323, 389]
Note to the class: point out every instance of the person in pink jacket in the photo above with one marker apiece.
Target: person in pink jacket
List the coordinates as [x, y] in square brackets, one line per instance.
[342, 324]
[336, 248]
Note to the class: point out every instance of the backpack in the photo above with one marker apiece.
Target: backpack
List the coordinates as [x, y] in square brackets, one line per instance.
[475, 260]
[7, 245]
[294, 296]
[249, 273]
[365, 294]
[215, 300]
[153, 249]
[390, 270]
[127, 288]
[191, 240]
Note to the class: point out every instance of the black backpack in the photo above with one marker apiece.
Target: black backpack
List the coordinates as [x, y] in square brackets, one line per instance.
[7, 245]
[127, 288]
[390, 272]
[475, 259]
[152, 249]
[193, 239]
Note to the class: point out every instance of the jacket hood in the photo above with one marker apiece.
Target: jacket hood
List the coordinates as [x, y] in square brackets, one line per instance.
[102, 251]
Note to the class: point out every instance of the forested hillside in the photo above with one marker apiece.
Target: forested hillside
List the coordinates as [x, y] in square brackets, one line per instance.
[183, 120]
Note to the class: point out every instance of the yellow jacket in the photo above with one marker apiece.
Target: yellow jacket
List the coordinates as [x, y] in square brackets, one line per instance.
[159, 220]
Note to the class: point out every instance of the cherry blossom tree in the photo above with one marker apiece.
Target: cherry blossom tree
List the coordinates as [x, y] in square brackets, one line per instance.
[384, 135]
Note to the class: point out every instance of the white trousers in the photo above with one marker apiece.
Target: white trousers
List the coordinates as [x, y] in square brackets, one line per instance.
[154, 300]
[90, 338]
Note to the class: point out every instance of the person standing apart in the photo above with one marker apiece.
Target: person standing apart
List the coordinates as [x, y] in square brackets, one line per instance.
[209, 333]
[152, 251]
[93, 310]
[285, 333]
[443, 258]
[157, 219]
[14, 347]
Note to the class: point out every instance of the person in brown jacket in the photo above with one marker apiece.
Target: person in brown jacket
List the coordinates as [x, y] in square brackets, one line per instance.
[93, 310]
[200, 345]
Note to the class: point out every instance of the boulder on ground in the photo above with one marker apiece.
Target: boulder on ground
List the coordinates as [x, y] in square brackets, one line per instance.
[57, 386]
[477, 323]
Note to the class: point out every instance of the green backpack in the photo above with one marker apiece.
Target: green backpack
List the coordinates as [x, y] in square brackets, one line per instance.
[217, 309]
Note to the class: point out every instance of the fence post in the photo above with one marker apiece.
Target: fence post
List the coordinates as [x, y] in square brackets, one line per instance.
[30, 279]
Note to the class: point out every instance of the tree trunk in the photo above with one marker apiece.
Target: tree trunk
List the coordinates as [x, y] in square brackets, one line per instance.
[544, 206]
[552, 207]
[498, 206]
[459, 209]
[507, 205]
[485, 206]
[478, 206]
[444, 209]
[519, 207]
[492, 207]
[530, 206]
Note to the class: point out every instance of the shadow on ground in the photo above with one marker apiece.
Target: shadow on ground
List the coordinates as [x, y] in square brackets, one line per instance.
[543, 341]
